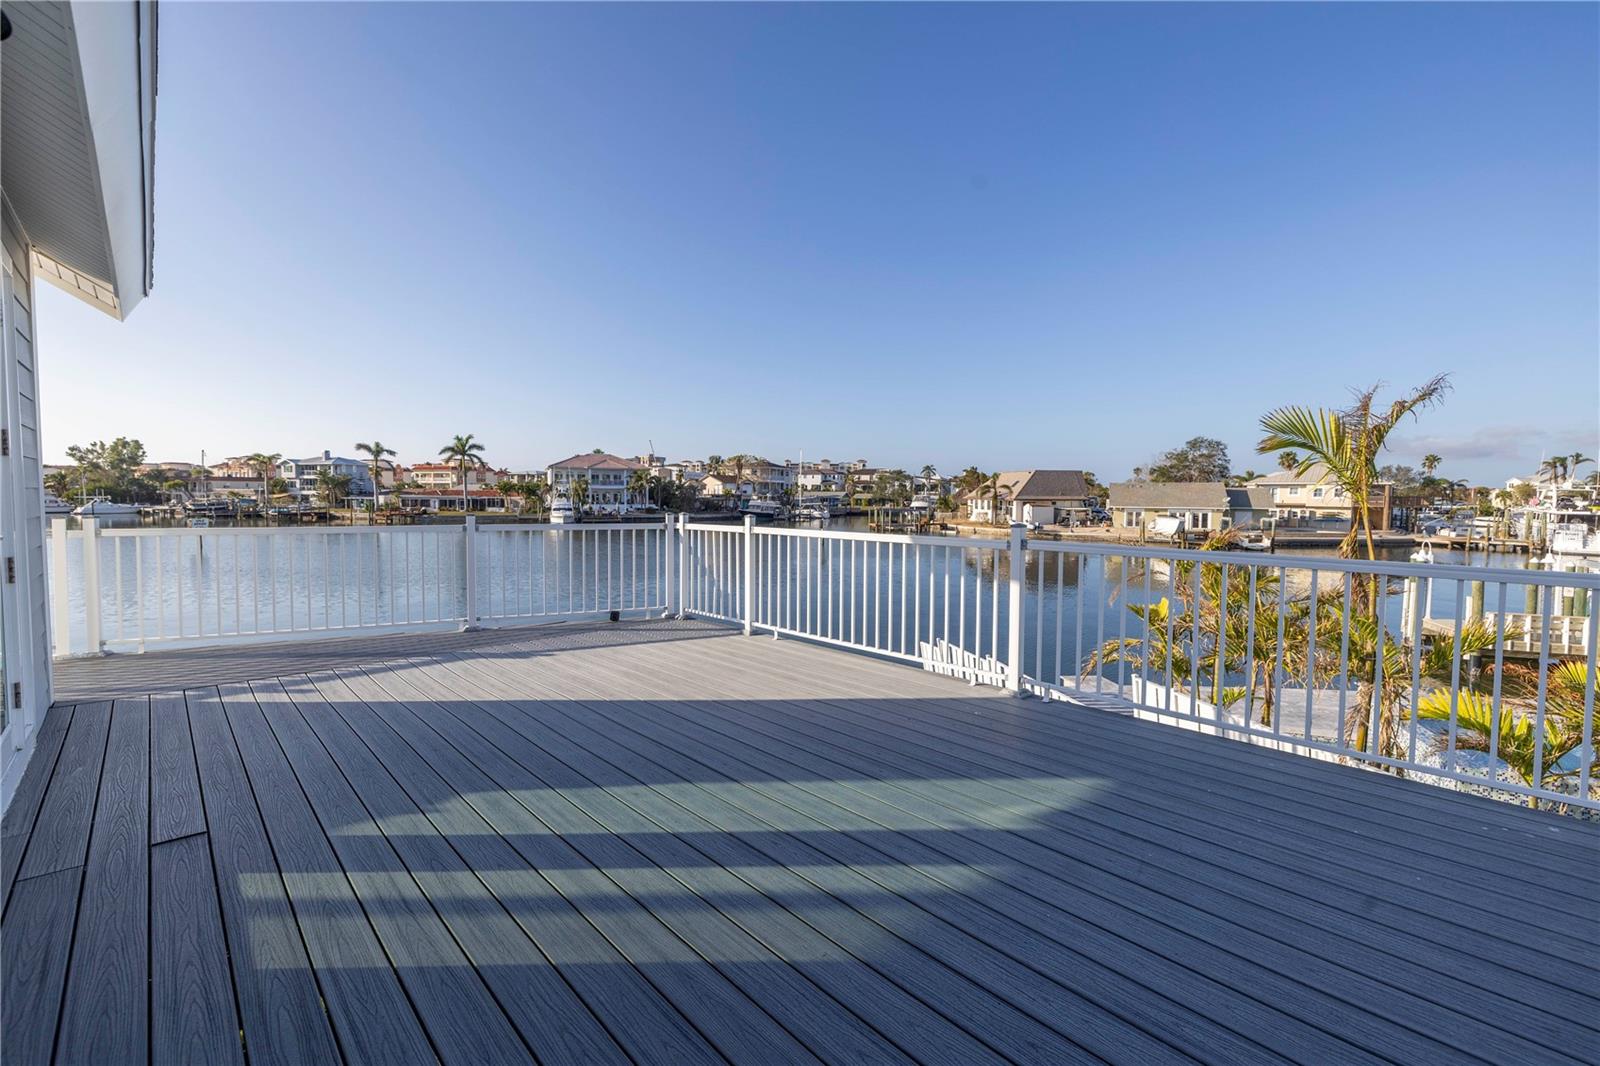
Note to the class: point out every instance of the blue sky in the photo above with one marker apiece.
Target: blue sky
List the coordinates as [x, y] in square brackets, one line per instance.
[1009, 236]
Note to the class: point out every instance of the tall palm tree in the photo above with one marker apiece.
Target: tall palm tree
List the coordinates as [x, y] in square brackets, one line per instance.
[1348, 443]
[1575, 460]
[991, 484]
[713, 464]
[1288, 460]
[639, 484]
[578, 492]
[930, 478]
[266, 465]
[378, 460]
[1430, 463]
[465, 452]
[331, 487]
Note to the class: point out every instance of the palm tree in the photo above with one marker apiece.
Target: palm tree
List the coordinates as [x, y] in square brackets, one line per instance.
[578, 493]
[1575, 460]
[331, 487]
[465, 452]
[930, 478]
[1347, 442]
[1430, 463]
[1556, 467]
[1288, 460]
[266, 465]
[991, 484]
[378, 461]
[60, 482]
[536, 492]
[639, 484]
[713, 464]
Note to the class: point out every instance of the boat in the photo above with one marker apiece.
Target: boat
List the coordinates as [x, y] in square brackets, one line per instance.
[1254, 540]
[1574, 538]
[211, 506]
[562, 513]
[99, 506]
[814, 512]
[54, 504]
[761, 510]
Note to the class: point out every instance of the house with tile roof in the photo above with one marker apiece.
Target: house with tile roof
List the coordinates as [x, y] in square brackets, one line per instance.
[606, 475]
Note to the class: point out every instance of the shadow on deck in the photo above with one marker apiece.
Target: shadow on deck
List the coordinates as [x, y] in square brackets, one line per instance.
[665, 842]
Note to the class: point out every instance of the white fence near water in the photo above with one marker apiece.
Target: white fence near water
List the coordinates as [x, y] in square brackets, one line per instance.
[1023, 615]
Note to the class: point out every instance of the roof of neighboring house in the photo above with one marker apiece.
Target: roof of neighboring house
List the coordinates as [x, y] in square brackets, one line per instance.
[1199, 495]
[1315, 474]
[1250, 498]
[599, 461]
[1054, 485]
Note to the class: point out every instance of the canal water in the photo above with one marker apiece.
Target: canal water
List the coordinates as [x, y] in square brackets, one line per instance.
[400, 575]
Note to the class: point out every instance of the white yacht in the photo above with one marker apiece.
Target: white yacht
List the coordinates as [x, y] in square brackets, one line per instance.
[99, 506]
[54, 504]
[1574, 538]
[562, 512]
[814, 512]
[761, 510]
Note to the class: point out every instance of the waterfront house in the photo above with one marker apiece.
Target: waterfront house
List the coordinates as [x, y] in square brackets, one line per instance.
[301, 474]
[77, 212]
[1199, 506]
[1251, 506]
[725, 485]
[1047, 497]
[448, 500]
[445, 476]
[606, 475]
[1302, 499]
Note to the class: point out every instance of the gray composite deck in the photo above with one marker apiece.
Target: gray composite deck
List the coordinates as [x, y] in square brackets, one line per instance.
[668, 843]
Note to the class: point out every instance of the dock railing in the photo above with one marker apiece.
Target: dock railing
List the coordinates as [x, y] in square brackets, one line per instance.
[1482, 677]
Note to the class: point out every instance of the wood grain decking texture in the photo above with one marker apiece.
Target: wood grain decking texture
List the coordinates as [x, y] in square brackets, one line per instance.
[664, 842]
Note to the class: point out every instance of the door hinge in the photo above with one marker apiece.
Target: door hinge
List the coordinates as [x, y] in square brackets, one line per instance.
[11, 569]
[16, 695]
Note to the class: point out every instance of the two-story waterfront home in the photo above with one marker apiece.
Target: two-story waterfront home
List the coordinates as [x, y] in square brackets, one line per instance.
[301, 474]
[445, 476]
[606, 476]
[1304, 498]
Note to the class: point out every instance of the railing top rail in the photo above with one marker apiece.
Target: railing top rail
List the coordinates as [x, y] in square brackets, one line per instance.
[267, 531]
[565, 527]
[889, 538]
[1330, 563]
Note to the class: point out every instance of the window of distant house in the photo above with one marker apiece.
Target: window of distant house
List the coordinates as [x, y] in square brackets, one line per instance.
[1294, 490]
[1316, 494]
[1131, 519]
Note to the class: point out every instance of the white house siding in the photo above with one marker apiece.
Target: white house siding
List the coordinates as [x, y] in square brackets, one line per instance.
[21, 498]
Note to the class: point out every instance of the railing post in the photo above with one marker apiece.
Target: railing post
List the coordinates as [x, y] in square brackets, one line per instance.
[91, 584]
[1018, 565]
[683, 566]
[60, 592]
[469, 542]
[669, 564]
[749, 572]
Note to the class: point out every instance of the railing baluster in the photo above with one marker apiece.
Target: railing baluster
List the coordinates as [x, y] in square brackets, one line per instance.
[1311, 651]
[1278, 653]
[1455, 677]
[1550, 593]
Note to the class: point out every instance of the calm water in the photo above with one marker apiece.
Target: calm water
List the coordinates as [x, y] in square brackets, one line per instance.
[250, 583]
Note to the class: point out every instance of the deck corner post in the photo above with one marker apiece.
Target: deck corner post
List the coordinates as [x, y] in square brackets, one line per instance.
[671, 532]
[60, 595]
[91, 585]
[469, 571]
[749, 611]
[681, 589]
[1017, 562]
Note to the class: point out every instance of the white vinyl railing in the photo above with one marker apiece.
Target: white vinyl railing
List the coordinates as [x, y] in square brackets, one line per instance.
[1480, 676]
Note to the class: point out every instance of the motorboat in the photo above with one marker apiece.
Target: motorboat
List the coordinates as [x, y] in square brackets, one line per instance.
[1574, 538]
[1254, 540]
[100, 506]
[54, 504]
[814, 512]
[761, 510]
[562, 513]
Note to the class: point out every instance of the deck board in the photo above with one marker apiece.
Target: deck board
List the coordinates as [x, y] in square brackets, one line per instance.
[194, 1022]
[663, 841]
[105, 1017]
